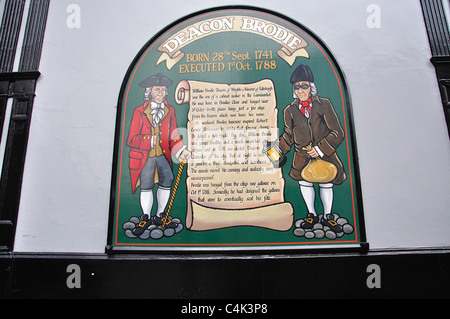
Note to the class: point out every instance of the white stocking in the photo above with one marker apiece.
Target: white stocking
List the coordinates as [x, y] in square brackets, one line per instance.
[146, 199]
[162, 196]
[309, 196]
[326, 195]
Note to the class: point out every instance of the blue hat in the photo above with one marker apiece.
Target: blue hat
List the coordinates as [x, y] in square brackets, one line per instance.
[302, 73]
[156, 80]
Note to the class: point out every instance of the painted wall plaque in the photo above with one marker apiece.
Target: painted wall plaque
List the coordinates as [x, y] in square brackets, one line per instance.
[234, 132]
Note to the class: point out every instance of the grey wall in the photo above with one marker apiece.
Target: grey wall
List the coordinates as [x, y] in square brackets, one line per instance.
[402, 139]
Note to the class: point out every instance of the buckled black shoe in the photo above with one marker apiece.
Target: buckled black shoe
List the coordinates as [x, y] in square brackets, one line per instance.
[143, 225]
[158, 221]
[330, 222]
[309, 221]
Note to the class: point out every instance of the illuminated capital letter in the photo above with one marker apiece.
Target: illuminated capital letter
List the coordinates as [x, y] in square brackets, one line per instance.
[247, 24]
[171, 45]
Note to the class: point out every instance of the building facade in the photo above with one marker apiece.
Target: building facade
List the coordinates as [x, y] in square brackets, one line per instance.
[63, 65]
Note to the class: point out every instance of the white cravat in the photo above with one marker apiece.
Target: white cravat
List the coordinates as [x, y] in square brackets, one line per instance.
[157, 112]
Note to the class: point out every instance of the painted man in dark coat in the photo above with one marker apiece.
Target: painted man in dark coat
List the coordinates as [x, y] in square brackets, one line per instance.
[311, 119]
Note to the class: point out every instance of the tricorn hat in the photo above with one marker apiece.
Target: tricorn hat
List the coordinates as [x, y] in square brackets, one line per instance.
[156, 80]
[302, 73]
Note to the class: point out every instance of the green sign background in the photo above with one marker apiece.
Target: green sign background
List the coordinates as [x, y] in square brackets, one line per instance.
[330, 83]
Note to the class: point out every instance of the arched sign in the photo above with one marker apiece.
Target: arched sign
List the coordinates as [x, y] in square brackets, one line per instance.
[234, 131]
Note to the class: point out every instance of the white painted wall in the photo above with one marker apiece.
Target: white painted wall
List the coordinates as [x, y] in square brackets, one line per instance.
[404, 149]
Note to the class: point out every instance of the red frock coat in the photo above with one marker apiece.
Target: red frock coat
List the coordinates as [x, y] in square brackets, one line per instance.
[139, 139]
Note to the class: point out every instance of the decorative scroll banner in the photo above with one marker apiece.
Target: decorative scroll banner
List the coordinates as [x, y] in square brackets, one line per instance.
[293, 45]
[230, 181]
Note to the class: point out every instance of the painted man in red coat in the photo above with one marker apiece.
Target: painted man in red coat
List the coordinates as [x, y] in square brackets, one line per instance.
[154, 139]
